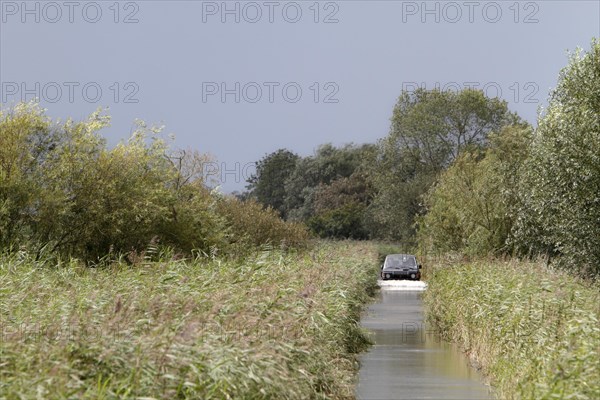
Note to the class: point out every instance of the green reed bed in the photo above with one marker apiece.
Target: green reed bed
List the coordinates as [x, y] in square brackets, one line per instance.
[276, 325]
[534, 331]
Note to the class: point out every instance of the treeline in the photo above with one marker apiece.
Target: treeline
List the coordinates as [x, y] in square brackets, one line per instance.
[529, 192]
[64, 192]
[374, 190]
[329, 191]
[457, 172]
[460, 172]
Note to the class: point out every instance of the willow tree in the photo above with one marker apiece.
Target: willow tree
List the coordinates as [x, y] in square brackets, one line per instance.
[560, 211]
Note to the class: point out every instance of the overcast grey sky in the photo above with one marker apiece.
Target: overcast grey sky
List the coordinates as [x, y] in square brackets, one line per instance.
[241, 79]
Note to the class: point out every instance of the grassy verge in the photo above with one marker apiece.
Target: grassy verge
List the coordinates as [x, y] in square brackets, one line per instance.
[534, 331]
[274, 326]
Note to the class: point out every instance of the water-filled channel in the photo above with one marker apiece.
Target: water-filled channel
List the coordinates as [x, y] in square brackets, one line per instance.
[408, 361]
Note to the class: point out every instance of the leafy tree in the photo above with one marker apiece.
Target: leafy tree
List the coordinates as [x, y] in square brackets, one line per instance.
[26, 141]
[471, 209]
[560, 206]
[352, 189]
[429, 130]
[433, 127]
[343, 222]
[301, 188]
[339, 208]
[327, 165]
[267, 185]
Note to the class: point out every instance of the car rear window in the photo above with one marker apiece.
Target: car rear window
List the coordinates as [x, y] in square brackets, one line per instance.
[392, 262]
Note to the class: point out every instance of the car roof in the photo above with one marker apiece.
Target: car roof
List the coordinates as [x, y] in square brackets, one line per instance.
[400, 256]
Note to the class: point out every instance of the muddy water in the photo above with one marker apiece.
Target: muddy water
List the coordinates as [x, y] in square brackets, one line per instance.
[408, 361]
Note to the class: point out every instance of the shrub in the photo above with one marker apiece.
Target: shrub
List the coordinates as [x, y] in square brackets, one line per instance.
[26, 142]
[63, 191]
[250, 224]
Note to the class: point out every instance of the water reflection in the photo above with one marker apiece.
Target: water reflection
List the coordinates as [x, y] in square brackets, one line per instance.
[408, 361]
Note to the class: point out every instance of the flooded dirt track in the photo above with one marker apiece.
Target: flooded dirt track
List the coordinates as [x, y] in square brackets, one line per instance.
[408, 361]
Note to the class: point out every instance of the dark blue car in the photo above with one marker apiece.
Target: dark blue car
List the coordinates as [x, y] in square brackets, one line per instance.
[401, 266]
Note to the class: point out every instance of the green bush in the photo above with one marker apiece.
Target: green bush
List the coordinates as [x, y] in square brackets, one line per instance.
[194, 222]
[250, 224]
[472, 207]
[63, 191]
[112, 200]
[26, 142]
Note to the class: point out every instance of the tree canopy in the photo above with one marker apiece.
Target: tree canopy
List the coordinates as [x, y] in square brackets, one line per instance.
[429, 130]
[267, 185]
[560, 208]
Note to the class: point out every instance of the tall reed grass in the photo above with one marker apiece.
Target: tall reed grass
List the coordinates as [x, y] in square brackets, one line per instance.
[534, 331]
[272, 326]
